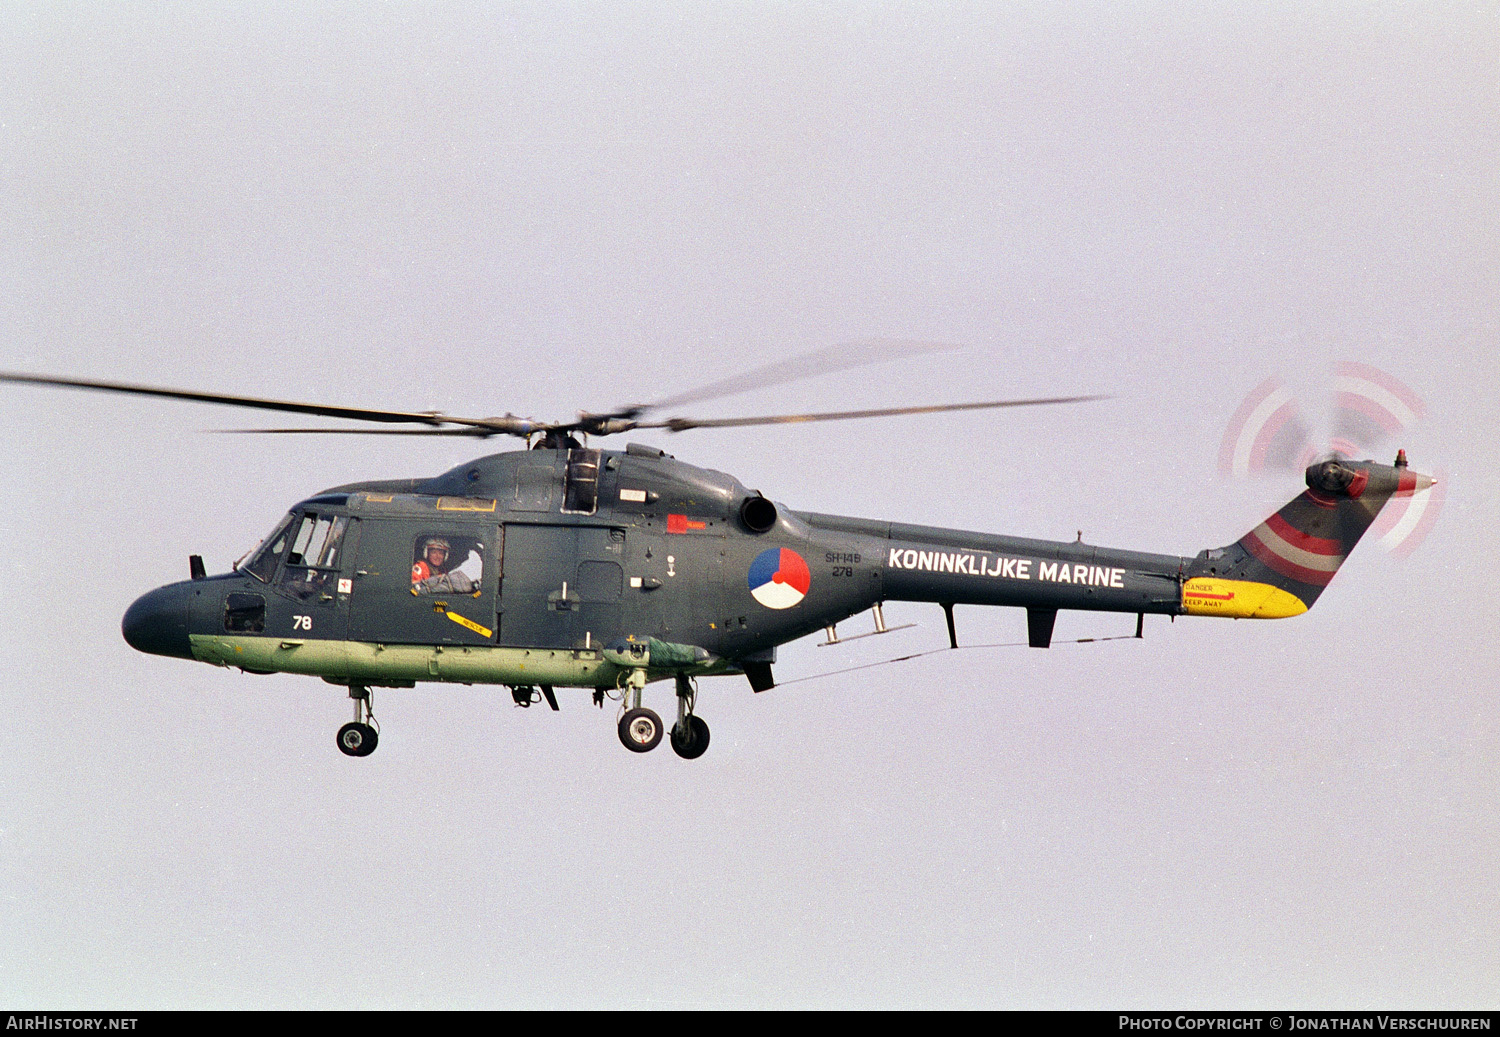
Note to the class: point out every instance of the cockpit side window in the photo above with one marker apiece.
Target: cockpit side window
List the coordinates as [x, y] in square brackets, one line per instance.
[328, 554]
[262, 564]
[447, 563]
[312, 564]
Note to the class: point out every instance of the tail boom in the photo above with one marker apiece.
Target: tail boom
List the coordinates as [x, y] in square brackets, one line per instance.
[1276, 570]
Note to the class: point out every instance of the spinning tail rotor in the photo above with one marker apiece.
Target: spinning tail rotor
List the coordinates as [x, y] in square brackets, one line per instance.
[1271, 432]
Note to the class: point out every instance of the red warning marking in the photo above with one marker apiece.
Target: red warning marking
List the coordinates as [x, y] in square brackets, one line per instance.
[1306, 541]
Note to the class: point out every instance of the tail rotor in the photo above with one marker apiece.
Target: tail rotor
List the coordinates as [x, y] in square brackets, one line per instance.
[1271, 432]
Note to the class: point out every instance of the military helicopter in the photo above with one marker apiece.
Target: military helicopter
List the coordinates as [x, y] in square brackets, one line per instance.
[570, 566]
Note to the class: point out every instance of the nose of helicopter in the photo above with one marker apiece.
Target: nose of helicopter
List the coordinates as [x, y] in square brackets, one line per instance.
[157, 623]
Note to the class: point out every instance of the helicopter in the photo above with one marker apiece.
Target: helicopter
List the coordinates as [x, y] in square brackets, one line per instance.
[566, 565]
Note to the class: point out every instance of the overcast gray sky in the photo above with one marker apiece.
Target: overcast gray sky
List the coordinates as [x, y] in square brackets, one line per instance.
[545, 208]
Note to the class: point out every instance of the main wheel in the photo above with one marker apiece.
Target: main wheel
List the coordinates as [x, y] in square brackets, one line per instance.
[640, 730]
[357, 739]
[695, 744]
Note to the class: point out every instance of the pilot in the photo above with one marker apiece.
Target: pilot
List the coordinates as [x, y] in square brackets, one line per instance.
[434, 561]
[433, 574]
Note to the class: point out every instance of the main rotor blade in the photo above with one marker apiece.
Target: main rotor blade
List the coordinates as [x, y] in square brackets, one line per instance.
[840, 357]
[683, 424]
[471, 432]
[284, 406]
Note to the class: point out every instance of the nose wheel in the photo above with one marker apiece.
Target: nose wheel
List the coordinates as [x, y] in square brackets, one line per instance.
[360, 737]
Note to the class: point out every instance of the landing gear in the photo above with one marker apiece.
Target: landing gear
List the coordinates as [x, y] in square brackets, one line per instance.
[640, 730]
[694, 743]
[360, 737]
[690, 733]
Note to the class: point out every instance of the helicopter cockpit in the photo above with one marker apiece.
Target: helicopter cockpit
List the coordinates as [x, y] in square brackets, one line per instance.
[313, 559]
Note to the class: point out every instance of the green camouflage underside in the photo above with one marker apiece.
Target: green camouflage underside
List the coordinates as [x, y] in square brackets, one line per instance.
[363, 662]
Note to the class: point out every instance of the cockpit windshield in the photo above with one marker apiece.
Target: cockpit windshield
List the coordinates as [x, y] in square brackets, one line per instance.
[262, 563]
[311, 544]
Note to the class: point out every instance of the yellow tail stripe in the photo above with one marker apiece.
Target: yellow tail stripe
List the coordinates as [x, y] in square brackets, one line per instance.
[1238, 599]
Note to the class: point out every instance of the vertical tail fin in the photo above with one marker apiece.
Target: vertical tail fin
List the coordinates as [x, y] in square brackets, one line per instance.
[1279, 568]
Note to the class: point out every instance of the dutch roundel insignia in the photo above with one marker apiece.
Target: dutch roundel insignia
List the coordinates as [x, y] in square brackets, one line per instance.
[779, 578]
